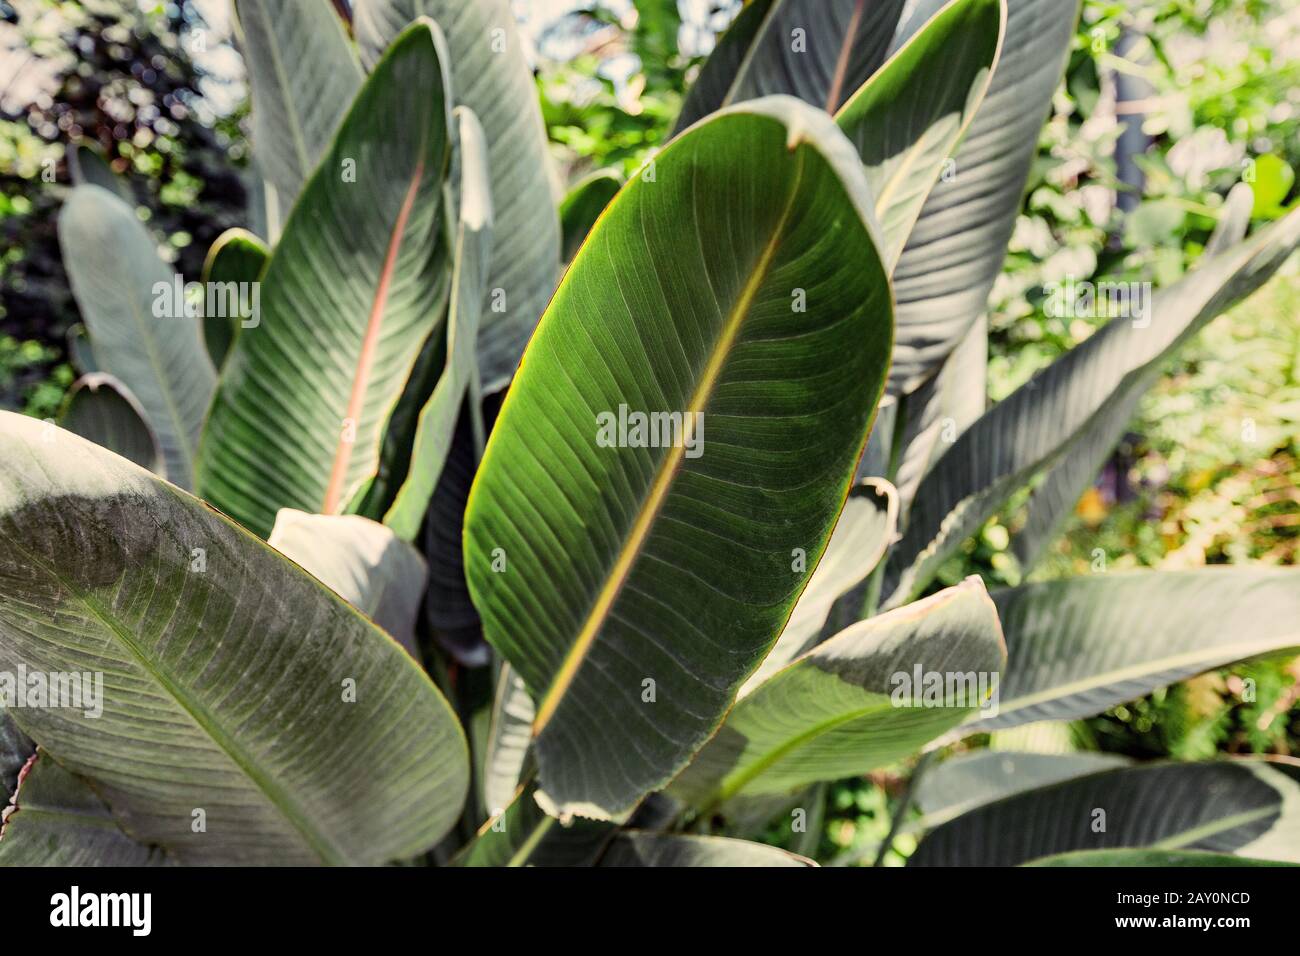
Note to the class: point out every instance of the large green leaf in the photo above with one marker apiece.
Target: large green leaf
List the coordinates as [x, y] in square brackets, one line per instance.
[103, 410]
[237, 257]
[1250, 808]
[351, 293]
[493, 79]
[128, 299]
[303, 74]
[637, 848]
[458, 384]
[362, 562]
[817, 50]
[973, 779]
[741, 291]
[855, 703]
[956, 250]
[864, 531]
[908, 118]
[1080, 646]
[233, 683]
[1083, 400]
[57, 820]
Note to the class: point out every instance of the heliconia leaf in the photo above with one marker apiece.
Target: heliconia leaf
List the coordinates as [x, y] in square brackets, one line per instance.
[523, 835]
[303, 74]
[970, 780]
[865, 529]
[458, 385]
[1156, 858]
[1079, 646]
[132, 304]
[233, 687]
[101, 409]
[297, 420]
[636, 848]
[907, 120]
[492, 78]
[956, 249]
[817, 50]
[863, 699]
[709, 93]
[1249, 808]
[56, 820]
[233, 272]
[583, 205]
[739, 289]
[510, 733]
[1077, 405]
[362, 562]
[87, 166]
[374, 495]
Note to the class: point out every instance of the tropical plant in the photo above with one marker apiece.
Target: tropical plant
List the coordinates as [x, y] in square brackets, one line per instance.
[698, 538]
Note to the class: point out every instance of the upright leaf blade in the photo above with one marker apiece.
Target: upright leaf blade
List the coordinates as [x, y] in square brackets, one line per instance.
[712, 87]
[492, 78]
[817, 50]
[458, 384]
[303, 74]
[956, 249]
[297, 420]
[631, 563]
[236, 683]
[908, 118]
[129, 301]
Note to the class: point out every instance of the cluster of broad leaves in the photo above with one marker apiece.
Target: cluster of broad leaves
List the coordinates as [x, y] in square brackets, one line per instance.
[271, 492]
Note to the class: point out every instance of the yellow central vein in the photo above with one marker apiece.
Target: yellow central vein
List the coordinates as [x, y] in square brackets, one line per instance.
[663, 481]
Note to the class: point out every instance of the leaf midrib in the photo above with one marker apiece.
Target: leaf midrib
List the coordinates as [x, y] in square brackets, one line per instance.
[276, 795]
[370, 340]
[662, 485]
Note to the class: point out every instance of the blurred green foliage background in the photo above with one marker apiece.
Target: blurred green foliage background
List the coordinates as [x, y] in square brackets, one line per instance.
[1166, 104]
